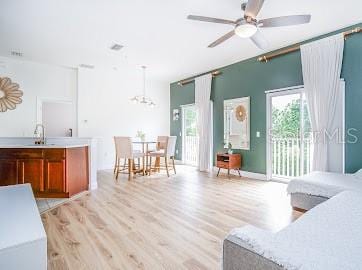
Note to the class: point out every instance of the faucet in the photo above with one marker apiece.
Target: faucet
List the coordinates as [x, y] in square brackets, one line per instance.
[36, 137]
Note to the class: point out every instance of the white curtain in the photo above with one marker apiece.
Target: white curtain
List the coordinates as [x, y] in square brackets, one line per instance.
[204, 121]
[336, 144]
[322, 64]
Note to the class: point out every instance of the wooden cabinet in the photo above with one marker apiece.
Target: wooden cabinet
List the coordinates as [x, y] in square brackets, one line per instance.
[8, 172]
[57, 172]
[229, 162]
[31, 171]
[54, 176]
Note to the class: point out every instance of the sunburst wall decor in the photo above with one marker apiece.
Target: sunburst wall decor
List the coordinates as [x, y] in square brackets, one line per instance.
[10, 95]
[240, 113]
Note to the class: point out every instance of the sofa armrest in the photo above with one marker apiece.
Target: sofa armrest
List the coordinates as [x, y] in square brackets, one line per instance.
[238, 256]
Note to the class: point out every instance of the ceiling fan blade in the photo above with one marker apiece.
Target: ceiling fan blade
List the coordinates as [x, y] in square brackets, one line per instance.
[253, 7]
[285, 21]
[210, 19]
[259, 40]
[222, 39]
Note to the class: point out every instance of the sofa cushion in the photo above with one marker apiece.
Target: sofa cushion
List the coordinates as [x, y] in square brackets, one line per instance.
[324, 184]
[327, 237]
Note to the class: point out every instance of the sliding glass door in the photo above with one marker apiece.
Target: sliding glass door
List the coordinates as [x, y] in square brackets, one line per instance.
[190, 138]
[289, 135]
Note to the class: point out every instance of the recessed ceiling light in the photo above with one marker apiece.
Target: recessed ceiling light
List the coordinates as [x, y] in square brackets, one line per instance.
[116, 47]
[86, 66]
[15, 53]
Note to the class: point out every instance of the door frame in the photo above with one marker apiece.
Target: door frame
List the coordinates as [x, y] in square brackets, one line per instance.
[269, 95]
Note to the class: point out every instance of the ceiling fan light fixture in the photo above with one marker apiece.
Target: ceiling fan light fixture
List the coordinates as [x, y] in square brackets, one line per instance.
[246, 30]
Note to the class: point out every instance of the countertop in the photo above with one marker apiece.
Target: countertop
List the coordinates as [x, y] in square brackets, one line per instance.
[41, 146]
[20, 222]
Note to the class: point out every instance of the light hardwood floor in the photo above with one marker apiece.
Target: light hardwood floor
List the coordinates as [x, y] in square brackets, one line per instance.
[158, 222]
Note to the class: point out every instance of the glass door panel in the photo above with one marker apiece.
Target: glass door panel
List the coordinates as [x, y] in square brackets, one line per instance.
[289, 135]
[190, 138]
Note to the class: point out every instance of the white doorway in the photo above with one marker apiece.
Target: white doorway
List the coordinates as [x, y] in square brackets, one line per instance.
[58, 117]
[190, 137]
[289, 145]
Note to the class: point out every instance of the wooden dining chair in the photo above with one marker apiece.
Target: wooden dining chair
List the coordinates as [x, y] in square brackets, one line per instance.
[168, 153]
[124, 150]
[161, 144]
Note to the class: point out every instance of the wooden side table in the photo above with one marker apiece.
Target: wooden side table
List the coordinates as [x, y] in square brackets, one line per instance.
[229, 162]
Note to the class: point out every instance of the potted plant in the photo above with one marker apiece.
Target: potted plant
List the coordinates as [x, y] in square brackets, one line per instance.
[140, 134]
[230, 150]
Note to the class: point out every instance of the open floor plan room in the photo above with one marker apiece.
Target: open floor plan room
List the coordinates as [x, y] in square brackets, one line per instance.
[158, 223]
[195, 134]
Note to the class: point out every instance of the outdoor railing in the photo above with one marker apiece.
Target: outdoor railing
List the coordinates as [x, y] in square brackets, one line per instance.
[291, 157]
[191, 144]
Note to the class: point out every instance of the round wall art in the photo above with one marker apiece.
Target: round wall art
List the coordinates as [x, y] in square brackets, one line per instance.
[240, 113]
[10, 95]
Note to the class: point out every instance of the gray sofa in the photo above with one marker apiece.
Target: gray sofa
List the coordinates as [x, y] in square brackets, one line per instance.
[304, 202]
[239, 256]
[309, 190]
[305, 243]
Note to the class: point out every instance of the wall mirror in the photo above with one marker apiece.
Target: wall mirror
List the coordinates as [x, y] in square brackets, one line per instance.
[237, 123]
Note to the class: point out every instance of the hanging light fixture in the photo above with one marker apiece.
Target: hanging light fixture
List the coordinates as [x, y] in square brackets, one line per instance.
[143, 99]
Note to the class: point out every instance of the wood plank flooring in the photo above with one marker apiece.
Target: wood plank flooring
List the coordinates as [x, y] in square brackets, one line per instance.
[158, 222]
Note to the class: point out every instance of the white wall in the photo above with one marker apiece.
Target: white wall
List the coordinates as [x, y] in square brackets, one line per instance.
[35, 80]
[58, 118]
[101, 99]
[105, 109]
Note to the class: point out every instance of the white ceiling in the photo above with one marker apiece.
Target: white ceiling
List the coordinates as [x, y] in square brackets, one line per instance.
[155, 33]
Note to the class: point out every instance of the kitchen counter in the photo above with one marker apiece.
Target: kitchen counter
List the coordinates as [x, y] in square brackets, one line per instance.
[56, 143]
[23, 242]
[53, 171]
[41, 146]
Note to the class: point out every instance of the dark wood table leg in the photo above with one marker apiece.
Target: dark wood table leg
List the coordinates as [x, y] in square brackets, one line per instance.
[218, 172]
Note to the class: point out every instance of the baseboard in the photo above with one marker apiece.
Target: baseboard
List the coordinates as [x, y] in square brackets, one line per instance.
[93, 186]
[178, 162]
[252, 175]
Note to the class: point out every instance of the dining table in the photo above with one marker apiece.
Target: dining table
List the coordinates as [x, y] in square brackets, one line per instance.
[145, 149]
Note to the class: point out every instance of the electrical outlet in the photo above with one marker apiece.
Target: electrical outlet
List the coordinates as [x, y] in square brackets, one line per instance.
[258, 134]
[176, 151]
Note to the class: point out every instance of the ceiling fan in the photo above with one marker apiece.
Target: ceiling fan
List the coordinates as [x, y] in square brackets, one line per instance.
[248, 26]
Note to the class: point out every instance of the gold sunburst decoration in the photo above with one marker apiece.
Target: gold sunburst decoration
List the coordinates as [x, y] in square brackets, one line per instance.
[10, 95]
[240, 113]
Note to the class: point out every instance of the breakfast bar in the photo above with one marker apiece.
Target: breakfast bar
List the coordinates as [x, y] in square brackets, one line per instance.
[52, 170]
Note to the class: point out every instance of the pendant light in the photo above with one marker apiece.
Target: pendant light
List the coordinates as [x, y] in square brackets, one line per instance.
[143, 99]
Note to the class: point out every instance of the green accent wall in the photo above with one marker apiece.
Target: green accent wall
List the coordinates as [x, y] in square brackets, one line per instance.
[252, 78]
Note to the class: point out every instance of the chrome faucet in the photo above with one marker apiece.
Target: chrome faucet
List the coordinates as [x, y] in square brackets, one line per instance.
[39, 139]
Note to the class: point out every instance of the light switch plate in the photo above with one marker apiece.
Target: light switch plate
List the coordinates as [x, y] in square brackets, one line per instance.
[258, 134]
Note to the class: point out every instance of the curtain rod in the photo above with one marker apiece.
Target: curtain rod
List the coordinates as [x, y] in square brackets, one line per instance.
[187, 81]
[267, 57]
